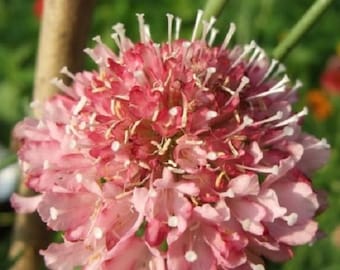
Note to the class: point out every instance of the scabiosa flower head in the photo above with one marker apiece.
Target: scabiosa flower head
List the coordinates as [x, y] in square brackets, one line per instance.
[180, 155]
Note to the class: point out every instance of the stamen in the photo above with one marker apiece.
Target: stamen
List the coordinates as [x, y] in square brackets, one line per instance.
[210, 115]
[134, 126]
[247, 121]
[98, 232]
[140, 18]
[279, 87]
[198, 20]
[243, 83]
[147, 33]
[246, 50]
[66, 72]
[246, 224]
[320, 144]
[212, 37]
[120, 30]
[177, 27]
[46, 164]
[25, 166]
[256, 266]
[270, 170]
[287, 131]
[173, 221]
[228, 37]
[233, 149]
[41, 125]
[275, 117]
[294, 118]
[170, 21]
[185, 111]
[115, 38]
[79, 177]
[207, 27]
[60, 84]
[173, 111]
[186, 46]
[97, 39]
[210, 71]
[80, 105]
[219, 178]
[73, 144]
[90, 52]
[115, 146]
[254, 55]
[291, 219]
[273, 64]
[175, 170]
[82, 125]
[212, 156]
[92, 118]
[191, 256]
[54, 213]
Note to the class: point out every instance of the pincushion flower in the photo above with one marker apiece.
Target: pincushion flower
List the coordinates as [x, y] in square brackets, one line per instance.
[180, 155]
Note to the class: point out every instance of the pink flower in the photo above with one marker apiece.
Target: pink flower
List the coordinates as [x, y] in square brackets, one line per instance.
[181, 155]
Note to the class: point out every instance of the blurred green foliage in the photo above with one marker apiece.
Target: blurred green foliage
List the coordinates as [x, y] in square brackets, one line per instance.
[265, 21]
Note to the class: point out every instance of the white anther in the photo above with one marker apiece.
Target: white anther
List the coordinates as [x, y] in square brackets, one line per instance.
[79, 177]
[270, 69]
[212, 156]
[66, 72]
[80, 105]
[212, 36]
[210, 71]
[59, 84]
[190, 256]
[210, 115]
[256, 266]
[140, 18]
[173, 111]
[197, 22]
[46, 164]
[115, 146]
[170, 21]
[54, 213]
[177, 27]
[98, 232]
[73, 144]
[291, 219]
[294, 118]
[173, 221]
[82, 125]
[246, 50]
[228, 36]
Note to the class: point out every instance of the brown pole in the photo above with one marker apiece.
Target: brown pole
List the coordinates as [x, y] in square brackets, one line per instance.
[63, 35]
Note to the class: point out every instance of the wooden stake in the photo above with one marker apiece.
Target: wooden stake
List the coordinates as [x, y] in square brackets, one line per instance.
[63, 35]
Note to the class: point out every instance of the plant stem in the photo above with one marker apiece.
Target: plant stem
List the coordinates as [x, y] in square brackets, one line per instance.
[301, 28]
[8, 160]
[213, 8]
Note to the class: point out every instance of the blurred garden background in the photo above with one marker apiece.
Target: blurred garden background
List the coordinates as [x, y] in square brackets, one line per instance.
[315, 61]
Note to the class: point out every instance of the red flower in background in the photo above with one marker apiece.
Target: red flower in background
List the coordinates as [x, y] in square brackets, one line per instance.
[38, 8]
[319, 103]
[330, 79]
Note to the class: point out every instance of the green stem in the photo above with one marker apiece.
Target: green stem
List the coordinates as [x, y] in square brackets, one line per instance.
[301, 28]
[8, 160]
[213, 8]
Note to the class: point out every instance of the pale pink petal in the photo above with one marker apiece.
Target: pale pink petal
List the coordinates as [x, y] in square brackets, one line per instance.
[25, 205]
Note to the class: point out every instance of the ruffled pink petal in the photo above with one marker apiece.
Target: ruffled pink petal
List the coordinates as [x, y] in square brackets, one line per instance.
[132, 254]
